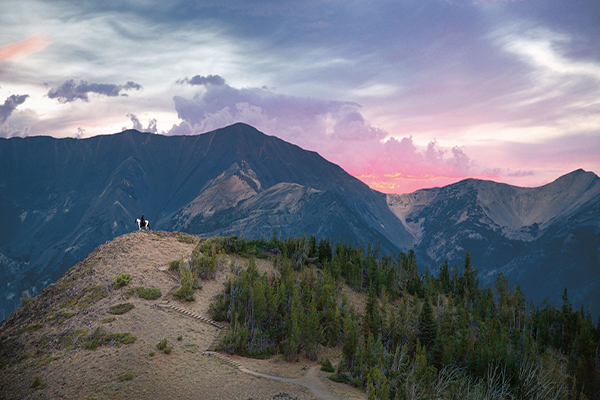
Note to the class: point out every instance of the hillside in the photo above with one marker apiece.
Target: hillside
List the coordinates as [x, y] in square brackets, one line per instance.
[169, 315]
[48, 336]
[545, 238]
[61, 198]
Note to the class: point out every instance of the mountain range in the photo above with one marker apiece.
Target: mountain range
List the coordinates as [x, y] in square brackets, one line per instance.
[61, 198]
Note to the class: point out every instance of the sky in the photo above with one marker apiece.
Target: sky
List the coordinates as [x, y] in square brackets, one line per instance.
[403, 94]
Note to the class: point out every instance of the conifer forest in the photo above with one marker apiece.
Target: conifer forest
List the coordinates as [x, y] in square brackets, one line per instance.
[420, 336]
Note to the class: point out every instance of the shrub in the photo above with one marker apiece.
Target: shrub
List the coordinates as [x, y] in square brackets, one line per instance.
[92, 344]
[190, 347]
[144, 293]
[108, 320]
[188, 239]
[151, 354]
[188, 280]
[327, 366]
[121, 280]
[164, 346]
[125, 377]
[185, 293]
[34, 327]
[65, 315]
[187, 276]
[219, 307]
[89, 296]
[37, 383]
[100, 337]
[149, 293]
[47, 359]
[121, 338]
[205, 266]
[339, 377]
[180, 338]
[175, 264]
[121, 308]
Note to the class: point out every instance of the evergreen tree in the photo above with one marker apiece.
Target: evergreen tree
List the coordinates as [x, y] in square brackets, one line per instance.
[313, 335]
[312, 247]
[372, 319]
[380, 384]
[350, 341]
[324, 251]
[294, 328]
[427, 326]
[444, 277]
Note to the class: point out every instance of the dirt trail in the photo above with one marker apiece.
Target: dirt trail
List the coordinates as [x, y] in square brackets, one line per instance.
[310, 380]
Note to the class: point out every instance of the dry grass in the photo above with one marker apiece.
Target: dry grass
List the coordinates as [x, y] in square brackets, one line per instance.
[185, 373]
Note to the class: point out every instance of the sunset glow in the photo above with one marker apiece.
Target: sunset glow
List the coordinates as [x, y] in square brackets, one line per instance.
[402, 95]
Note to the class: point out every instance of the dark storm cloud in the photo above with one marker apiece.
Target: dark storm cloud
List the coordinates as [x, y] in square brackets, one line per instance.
[10, 104]
[72, 90]
[214, 80]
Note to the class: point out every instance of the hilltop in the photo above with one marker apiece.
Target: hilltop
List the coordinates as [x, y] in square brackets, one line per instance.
[61, 198]
[170, 315]
[48, 336]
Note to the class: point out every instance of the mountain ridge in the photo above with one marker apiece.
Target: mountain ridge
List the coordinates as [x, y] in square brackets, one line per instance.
[544, 238]
[61, 198]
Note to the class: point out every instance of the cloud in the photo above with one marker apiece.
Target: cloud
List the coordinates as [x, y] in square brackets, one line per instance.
[521, 173]
[292, 117]
[10, 104]
[71, 90]
[24, 47]
[337, 130]
[137, 124]
[215, 80]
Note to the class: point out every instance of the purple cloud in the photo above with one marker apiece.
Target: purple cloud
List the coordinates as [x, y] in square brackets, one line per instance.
[71, 90]
[214, 80]
[302, 120]
[137, 124]
[10, 104]
[336, 129]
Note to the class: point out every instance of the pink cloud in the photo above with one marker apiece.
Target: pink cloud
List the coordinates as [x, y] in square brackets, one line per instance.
[23, 48]
[339, 132]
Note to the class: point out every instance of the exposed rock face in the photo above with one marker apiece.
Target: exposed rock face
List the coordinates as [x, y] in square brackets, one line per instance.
[544, 238]
[60, 198]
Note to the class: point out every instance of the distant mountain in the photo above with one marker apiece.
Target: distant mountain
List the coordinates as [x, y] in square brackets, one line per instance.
[61, 198]
[545, 238]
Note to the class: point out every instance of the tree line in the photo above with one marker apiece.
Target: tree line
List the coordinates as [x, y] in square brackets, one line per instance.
[420, 335]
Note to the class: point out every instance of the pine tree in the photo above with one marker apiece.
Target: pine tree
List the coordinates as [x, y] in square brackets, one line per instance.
[372, 319]
[427, 327]
[380, 383]
[294, 328]
[350, 341]
[313, 335]
[371, 394]
[312, 246]
[444, 277]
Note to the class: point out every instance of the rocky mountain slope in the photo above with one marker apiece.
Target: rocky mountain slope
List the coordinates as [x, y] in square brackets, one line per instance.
[73, 341]
[545, 238]
[60, 198]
